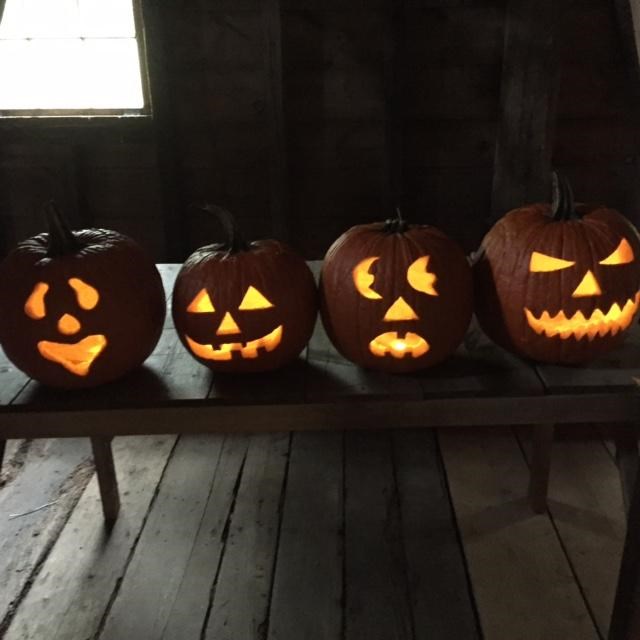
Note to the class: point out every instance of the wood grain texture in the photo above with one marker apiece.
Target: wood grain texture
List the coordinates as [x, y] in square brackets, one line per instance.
[528, 95]
[586, 507]
[514, 556]
[439, 590]
[73, 589]
[243, 589]
[308, 587]
[165, 544]
[107, 479]
[377, 592]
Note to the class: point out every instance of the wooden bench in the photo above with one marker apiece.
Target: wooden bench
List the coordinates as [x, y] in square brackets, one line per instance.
[480, 385]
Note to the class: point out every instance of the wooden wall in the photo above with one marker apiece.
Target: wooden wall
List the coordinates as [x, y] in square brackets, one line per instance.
[305, 117]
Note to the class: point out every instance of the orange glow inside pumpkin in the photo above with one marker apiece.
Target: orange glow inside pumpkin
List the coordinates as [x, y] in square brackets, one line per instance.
[201, 303]
[364, 280]
[541, 262]
[420, 278]
[88, 296]
[623, 254]
[599, 323]
[389, 343]
[247, 350]
[228, 326]
[253, 300]
[588, 287]
[400, 310]
[76, 358]
[34, 307]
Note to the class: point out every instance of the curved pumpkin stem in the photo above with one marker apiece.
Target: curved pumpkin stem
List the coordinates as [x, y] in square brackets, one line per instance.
[562, 203]
[61, 238]
[397, 224]
[235, 240]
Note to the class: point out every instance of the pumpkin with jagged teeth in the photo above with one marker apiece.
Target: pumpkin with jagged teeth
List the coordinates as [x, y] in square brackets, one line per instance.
[559, 283]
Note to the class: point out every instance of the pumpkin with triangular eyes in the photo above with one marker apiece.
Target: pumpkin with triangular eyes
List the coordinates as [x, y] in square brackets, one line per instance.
[79, 308]
[559, 282]
[395, 297]
[244, 307]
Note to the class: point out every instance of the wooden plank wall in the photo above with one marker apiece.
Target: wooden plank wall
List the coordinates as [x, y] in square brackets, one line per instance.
[277, 109]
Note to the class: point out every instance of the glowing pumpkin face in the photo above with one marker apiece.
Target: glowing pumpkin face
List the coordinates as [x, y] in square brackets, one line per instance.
[78, 356]
[79, 308]
[242, 308]
[559, 283]
[395, 297]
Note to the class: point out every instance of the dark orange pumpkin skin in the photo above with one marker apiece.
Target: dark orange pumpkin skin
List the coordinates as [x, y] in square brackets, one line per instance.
[226, 272]
[130, 312]
[353, 321]
[505, 286]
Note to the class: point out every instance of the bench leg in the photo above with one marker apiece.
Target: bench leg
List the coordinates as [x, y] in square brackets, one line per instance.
[3, 444]
[540, 466]
[625, 619]
[105, 469]
[626, 439]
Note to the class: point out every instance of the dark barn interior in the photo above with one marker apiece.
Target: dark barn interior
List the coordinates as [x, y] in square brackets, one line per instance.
[229, 515]
[304, 118]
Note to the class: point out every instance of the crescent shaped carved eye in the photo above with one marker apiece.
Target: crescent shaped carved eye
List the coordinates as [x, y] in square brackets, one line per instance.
[420, 278]
[623, 254]
[364, 280]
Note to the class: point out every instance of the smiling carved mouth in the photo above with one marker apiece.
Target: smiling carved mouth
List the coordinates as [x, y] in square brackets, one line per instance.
[76, 357]
[577, 326]
[247, 350]
[389, 343]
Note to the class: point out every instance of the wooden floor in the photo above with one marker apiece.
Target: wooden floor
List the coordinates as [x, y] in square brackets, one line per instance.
[334, 536]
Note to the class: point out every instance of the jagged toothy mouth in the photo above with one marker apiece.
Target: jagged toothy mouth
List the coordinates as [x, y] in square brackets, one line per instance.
[577, 326]
[247, 350]
[389, 343]
[76, 357]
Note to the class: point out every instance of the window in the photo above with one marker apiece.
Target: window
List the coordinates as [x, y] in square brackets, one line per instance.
[70, 57]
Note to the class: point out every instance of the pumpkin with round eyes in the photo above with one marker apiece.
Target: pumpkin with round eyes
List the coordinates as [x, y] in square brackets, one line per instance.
[559, 282]
[394, 296]
[244, 307]
[79, 308]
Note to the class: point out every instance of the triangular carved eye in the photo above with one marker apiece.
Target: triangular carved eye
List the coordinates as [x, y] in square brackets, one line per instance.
[622, 255]
[541, 262]
[201, 303]
[253, 299]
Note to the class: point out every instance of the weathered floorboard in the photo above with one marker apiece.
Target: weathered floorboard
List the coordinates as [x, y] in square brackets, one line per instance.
[376, 584]
[72, 591]
[307, 590]
[439, 590]
[157, 567]
[243, 588]
[514, 556]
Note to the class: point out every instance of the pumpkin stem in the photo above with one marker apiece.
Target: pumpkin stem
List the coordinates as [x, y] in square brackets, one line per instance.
[235, 241]
[61, 238]
[397, 224]
[562, 203]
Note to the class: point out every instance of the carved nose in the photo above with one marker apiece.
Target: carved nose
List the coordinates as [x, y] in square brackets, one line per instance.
[400, 310]
[588, 287]
[228, 326]
[68, 325]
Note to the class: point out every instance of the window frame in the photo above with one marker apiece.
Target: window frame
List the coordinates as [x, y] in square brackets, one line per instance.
[75, 116]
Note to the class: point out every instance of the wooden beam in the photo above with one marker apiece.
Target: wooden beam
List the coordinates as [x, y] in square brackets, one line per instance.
[628, 20]
[278, 164]
[106, 472]
[626, 440]
[542, 445]
[528, 95]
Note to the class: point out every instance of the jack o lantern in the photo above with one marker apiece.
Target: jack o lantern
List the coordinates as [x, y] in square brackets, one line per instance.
[244, 307]
[559, 282]
[79, 308]
[394, 296]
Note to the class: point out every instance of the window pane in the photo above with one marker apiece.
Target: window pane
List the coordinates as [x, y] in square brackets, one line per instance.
[40, 19]
[106, 18]
[70, 74]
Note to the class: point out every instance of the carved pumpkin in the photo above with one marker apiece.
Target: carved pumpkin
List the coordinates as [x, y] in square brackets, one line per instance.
[241, 307]
[79, 308]
[559, 282]
[394, 296]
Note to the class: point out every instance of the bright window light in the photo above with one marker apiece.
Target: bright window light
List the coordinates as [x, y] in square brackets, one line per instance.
[69, 54]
